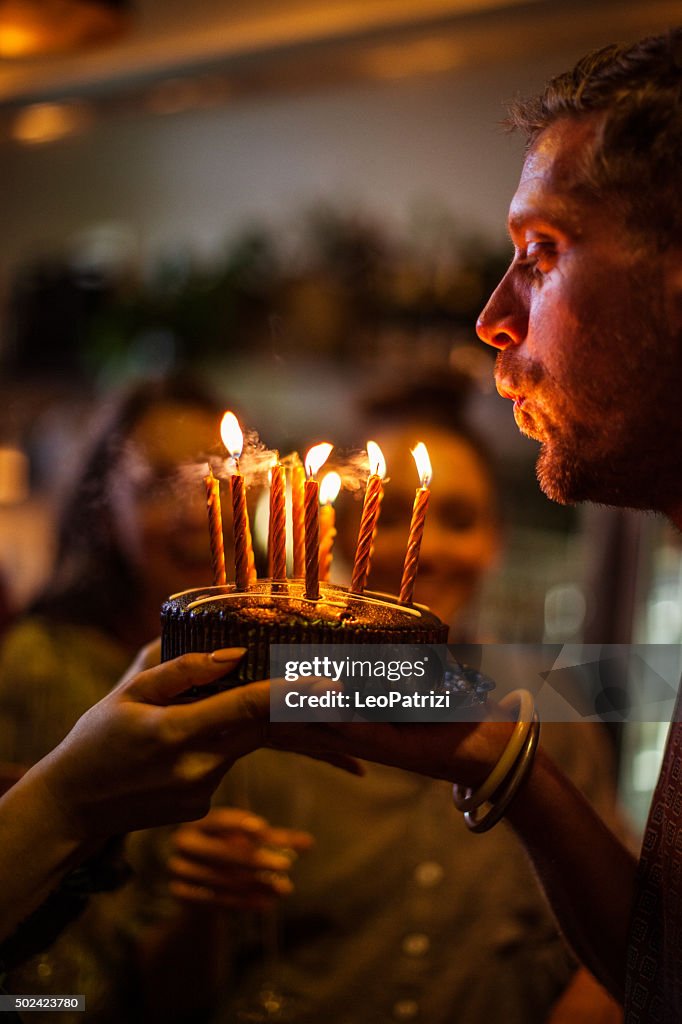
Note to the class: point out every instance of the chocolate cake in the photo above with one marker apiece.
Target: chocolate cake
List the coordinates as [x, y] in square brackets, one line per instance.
[208, 618]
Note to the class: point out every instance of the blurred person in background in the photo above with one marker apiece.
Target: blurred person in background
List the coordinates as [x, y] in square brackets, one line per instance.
[132, 530]
[464, 535]
[399, 912]
[128, 534]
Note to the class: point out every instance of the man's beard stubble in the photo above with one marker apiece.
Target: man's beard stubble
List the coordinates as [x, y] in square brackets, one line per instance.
[629, 459]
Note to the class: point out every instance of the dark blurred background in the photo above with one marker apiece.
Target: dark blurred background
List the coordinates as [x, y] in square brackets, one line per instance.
[299, 202]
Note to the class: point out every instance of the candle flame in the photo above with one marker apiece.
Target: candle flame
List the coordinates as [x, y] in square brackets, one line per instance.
[316, 457]
[231, 433]
[421, 457]
[329, 488]
[377, 462]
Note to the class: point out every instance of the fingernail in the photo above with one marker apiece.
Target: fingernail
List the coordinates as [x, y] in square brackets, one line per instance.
[228, 654]
[272, 861]
[253, 823]
[278, 883]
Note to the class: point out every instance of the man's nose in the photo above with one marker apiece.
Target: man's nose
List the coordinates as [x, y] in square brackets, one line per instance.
[504, 321]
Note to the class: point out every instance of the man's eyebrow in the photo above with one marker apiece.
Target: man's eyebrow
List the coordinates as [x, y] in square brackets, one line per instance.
[559, 219]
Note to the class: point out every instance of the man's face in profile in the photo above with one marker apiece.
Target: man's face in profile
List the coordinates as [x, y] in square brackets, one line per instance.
[589, 346]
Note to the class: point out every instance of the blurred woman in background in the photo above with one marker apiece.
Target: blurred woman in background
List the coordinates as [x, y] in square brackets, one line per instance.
[463, 537]
[132, 530]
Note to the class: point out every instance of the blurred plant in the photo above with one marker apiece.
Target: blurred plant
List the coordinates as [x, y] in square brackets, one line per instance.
[349, 290]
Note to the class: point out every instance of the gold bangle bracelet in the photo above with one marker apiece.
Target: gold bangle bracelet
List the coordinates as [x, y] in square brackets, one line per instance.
[504, 796]
[469, 800]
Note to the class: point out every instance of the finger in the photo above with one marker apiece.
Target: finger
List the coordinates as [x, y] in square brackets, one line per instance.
[261, 883]
[227, 855]
[161, 684]
[218, 715]
[316, 739]
[339, 744]
[288, 839]
[312, 688]
[150, 655]
[342, 761]
[232, 823]
[238, 829]
[221, 899]
[225, 820]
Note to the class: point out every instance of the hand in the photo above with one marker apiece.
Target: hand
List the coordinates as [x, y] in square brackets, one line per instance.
[234, 859]
[132, 761]
[462, 752]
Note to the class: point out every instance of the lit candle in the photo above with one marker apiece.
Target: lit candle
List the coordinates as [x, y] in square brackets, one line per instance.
[298, 516]
[414, 540]
[329, 489]
[215, 528]
[314, 460]
[371, 507]
[244, 562]
[277, 546]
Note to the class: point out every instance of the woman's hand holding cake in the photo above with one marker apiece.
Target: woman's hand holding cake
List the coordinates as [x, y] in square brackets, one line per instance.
[132, 761]
[136, 759]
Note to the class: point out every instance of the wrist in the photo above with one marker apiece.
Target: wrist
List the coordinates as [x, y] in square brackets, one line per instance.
[473, 760]
[53, 814]
[487, 803]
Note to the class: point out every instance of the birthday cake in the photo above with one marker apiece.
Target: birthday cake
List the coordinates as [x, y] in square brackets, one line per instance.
[208, 618]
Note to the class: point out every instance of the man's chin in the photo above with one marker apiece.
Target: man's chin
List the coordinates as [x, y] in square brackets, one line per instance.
[555, 476]
[527, 424]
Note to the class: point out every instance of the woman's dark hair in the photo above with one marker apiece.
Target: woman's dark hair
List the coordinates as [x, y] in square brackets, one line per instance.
[92, 581]
[637, 155]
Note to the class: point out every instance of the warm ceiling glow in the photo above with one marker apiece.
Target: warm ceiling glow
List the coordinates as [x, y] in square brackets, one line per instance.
[419, 57]
[16, 41]
[48, 122]
[33, 27]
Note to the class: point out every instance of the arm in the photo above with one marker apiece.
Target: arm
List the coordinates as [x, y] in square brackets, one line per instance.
[585, 1000]
[587, 873]
[37, 849]
[131, 761]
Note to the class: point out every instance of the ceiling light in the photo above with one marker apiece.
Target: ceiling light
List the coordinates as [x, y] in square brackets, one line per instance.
[48, 122]
[30, 28]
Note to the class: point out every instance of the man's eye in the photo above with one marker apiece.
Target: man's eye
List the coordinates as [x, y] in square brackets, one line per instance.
[538, 258]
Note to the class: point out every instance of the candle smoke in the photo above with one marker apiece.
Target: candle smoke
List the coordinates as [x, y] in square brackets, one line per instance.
[255, 462]
[353, 470]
